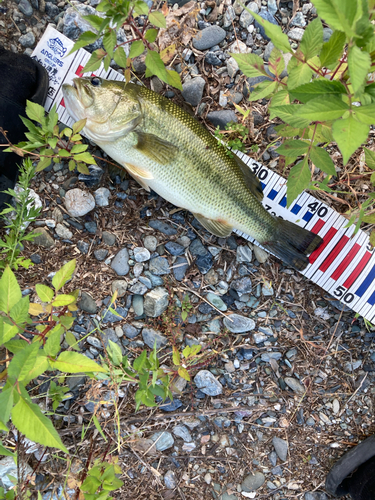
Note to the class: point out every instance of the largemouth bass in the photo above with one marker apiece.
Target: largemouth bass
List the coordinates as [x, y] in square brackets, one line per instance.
[167, 150]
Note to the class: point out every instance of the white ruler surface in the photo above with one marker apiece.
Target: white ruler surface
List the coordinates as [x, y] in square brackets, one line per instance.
[344, 265]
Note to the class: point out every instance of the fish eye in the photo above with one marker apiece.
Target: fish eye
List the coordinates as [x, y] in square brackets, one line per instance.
[96, 81]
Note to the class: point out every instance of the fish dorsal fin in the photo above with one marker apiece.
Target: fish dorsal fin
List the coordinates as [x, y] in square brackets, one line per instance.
[251, 180]
[220, 229]
[156, 148]
[138, 171]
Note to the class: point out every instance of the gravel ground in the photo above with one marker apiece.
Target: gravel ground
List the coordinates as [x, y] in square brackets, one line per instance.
[286, 382]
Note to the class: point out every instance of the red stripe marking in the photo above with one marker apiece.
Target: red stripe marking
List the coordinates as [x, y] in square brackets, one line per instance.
[332, 256]
[351, 279]
[345, 263]
[93, 74]
[79, 71]
[327, 238]
[62, 103]
[318, 226]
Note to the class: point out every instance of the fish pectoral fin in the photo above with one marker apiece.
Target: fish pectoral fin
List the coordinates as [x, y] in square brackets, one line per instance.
[138, 171]
[251, 180]
[156, 148]
[218, 228]
[142, 182]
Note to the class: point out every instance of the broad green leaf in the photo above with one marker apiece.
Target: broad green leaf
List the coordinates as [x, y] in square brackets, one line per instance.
[78, 126]
[276, 62]
[322, 160]
[359, 63]
[264, 89]
[115, 352]
[52, 345]
[299, 75]
[157, 19]
[349, 135]
[6, 403]
[293, 148]
[370, 158]
[141, 8]
[67, 321]
[333, 49]
[285, 130]
[184, 373]
[85, 157]
[278, 38]
[7, 330]
[97, 425]
[151, 35]
[23, 362]
[41, 364]
[136, 49]
[79, 148]
[74, 362]
[365, 114]
[289, 114]
[280, 98]
[35, 111]
[317, 88]
[323, 108]
[63, 275]
[84, 39]
[7, 453]
[139, 362]
[155, 65]
[298, 180]
[20, 311]
[176, 356]
[109, 41]
[16, 345]
[28, 419]
[173, 79]
[63, 300]
[45, 293]
[95, 21]
[10, 291]
[147, 398]
[95, 60]
[72, 341]
[250, 64]
[339, 14]
[312, 40]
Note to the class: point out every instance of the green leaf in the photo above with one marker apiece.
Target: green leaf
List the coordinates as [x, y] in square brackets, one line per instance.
[299, 75]
[349, 135]
[86, 157]
[7, 453]
[63, 300]
[6, 403]
[323, 109]
[63, 275]
[276, 62]
[333, 49]
[84, 39]
[95, 21]
[289, 114]
[151, 35]
[278, 38]
[173, 79]
[7, 330]
[250, 64]
[370, 158]
[298, 180]
[157, 19]
[23, 362]
[43, 163]
[10, 291]
[52, 345]
[359, 63]
[281, 98]
[120, 57]
[293, 148]
[155, 65]
[322, 160]
[72, 341]
[141, 8]
[35, 111]
[139, 362]
[365, 114]
[317, 88]
[95, 60]
[78, 126]
[312, 40]
[264, 89]
[20, 311]
[115, 352]
[28, 419]
[79, 148]
[98, 427]
[136, 49]
[16, 345]
[41, 364]
[176, 356]
[109, 41]
[339, 14]
[45, 293]
[74, 362]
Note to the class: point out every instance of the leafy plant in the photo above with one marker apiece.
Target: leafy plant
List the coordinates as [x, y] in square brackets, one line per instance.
[190, 358]
[186, 307]
[101, 480]
[235, 136]
[123, 13]
[17, 219]
[327, 96]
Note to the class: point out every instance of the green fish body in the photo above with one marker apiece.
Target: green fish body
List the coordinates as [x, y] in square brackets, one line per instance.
[167, 150]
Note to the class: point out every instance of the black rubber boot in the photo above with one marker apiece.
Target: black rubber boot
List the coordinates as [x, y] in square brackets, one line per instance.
[21, 79]
[354, 473]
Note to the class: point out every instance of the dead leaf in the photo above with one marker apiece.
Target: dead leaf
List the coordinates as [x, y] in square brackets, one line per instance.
[144, 446]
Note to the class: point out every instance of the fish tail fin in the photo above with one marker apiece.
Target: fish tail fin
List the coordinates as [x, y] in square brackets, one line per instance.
[292, 244]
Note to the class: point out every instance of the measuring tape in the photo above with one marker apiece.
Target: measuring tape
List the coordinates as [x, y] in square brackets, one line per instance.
[343, 265]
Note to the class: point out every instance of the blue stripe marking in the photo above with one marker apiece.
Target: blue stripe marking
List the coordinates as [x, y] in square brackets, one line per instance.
[308, 216]
[371, 300]
[263, 185]
[283, 203]
[369, 279]
[296, 209]
[272, 194]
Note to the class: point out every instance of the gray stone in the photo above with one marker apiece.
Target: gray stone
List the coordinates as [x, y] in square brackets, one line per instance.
[193, 90]
[27, 40]
[268, 17]
[156, 302]
[294, 385]
[244, 254]
[252, 482]
[216, 301]
[94, 342]
[102, 197]
[298, 20]
[327, 33]
[51, 9]
[120, 286]
[112, 317]
[130, 331]
[141, 254]
[268, 50]
[87, 303]
[163, 440]
[78, 202]
[180, 267]
[296, 34]
[281, 447]
[159, 266]
[108, 238]
[161, 226]
[197, 248]
[222, 118]
[238, 324]
[8, 466]
[211, 58]
[232, 67]
[246, 18]
[182, 432]
[316, 495]
[207, 38]
[109, 334]
[267, 290]
[260, 254]
[174, 248]
[242, 285]
[150, 242]
[272, 6]
[25, 7]
[259, 338]
[150, 336]
[120, 262]
[138, 288]
[100, 254]
[138, 304]
[43, 238]
[238, 7]
[207, 383]
[170, 480]
[229, 16]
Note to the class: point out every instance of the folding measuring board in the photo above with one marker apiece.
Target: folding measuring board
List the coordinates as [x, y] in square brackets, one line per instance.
[343, 265]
